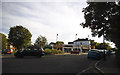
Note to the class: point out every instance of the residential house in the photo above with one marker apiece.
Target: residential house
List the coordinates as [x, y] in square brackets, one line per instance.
[81, 45]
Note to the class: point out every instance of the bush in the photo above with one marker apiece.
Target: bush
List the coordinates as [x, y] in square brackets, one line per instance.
[48, 51]
[59, 51]
[52, 51]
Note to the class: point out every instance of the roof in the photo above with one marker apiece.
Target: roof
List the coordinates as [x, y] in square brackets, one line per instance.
[70, 42]
[52, 43]
[81, 39]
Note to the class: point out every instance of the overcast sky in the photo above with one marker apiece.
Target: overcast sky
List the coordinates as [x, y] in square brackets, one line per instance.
[47, 18]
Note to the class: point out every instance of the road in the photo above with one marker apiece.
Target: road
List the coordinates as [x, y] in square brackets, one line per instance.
[48, 64]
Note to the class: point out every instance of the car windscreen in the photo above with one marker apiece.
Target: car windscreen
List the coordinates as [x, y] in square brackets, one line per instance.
[93, 50]
[35, 49]
[28, 49]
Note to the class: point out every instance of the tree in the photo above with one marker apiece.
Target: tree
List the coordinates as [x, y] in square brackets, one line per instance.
[59, 44]
[19, 36]
[101, 45]
[103, 19]
[3, 41]
[47, 46]
[41, 41]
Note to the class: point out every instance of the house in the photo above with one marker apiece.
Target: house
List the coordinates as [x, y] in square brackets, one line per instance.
[81, 45]
[57, 45]
[52, 44]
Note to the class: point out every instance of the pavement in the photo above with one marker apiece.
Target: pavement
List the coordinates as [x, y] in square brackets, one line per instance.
[72, 54]
[109, 65]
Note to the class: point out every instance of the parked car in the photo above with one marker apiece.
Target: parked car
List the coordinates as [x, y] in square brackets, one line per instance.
[112, 52]
[103, 51]
[75, 52]
[6, 51]
[43, 52]
[29, 51]
[95, 53]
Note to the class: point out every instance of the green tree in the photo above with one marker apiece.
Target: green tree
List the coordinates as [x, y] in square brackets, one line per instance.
[59, 44]
[29, 44]
[103, 19]
[19, 36]
[3, 41]
[101, 45]
[47, 46]
[41, 41]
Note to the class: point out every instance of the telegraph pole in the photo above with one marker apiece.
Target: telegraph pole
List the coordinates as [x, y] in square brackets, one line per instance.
[57, 38]
[104, 46]
[75, 36]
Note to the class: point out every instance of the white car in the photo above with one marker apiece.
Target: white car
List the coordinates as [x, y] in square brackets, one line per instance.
[112, 52]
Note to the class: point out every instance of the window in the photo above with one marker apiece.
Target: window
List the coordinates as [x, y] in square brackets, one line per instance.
[35, 49]
[28, 49]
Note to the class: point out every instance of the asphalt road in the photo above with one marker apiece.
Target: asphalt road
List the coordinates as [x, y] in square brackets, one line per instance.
[47, 64]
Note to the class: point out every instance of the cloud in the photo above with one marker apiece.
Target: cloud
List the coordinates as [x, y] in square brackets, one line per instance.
[46, 19]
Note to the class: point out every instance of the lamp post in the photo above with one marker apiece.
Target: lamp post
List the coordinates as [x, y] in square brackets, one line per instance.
[57, 38]
[104, 46]
[75, 36]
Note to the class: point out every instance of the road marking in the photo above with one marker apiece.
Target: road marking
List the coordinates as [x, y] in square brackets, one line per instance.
[83, 71]
[97, 67]
[90, 68]
[86, 69]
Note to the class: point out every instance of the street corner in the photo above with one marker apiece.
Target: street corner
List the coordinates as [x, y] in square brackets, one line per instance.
[108, 66]
[97, 66]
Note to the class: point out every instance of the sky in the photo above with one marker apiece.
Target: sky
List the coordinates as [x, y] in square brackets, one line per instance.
[47, 18]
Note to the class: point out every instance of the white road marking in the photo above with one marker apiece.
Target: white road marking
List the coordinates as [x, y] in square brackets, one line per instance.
[97, 67]
[84, 70]
[90, 68]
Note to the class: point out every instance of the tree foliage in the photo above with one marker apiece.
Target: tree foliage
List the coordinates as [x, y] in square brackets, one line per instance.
[19, 36]
[3, 41]
[47, 46]
[103, 19]
[41, 41]
[101, 45]
[59, 44]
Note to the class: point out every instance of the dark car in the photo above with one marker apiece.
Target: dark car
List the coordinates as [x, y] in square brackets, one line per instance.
[94, 53]
[75, 51]
[29, 51]
[6, 51]
[43, 52]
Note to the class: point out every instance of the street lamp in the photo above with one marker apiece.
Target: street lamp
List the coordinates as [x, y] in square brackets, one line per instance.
[75, 36]
[104, 46]
[57, 38]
